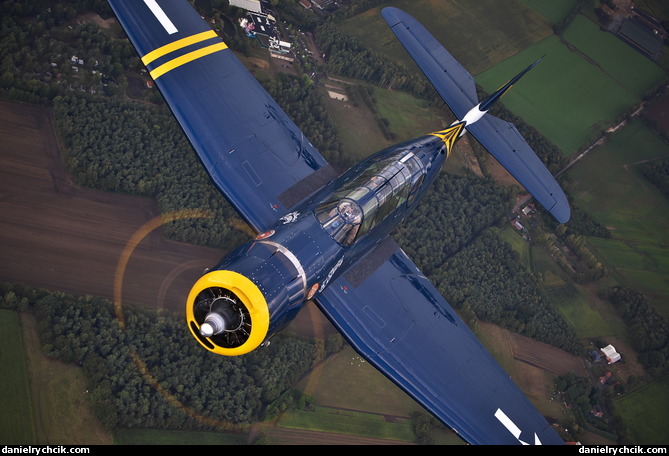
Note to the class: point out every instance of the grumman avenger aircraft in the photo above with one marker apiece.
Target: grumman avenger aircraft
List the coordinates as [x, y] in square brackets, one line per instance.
[325, 237]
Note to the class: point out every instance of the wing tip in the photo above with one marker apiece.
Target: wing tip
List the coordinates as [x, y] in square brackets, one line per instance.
[391, 15]
[561, 212]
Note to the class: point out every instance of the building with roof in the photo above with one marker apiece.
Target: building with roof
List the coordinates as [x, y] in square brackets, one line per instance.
[249, 5]
[612, 356]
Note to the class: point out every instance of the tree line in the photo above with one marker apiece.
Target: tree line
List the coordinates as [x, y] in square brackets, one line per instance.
[648, 330]
[657, 172]
[583, 400]
[151, 373]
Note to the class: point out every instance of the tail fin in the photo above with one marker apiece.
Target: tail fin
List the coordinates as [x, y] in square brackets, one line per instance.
[499, 93]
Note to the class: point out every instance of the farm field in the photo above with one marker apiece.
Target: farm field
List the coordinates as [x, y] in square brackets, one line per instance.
[171, 437]
[587, 321]
[349, 121]
[61, 237]
[647, 421]
[479, 34]
[638, 74]
[565, 97]
[407, 117]
[16, 421]
[607, 184]
[60, 406]
[362, 385]
[555, 11]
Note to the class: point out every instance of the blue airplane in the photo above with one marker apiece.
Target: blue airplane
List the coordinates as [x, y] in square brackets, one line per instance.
[325, 237]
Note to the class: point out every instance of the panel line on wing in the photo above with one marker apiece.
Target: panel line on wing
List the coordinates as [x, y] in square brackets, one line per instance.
[178, 44]
[183, 59]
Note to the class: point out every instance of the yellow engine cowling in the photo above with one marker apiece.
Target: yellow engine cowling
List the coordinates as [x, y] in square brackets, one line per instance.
[227, 313]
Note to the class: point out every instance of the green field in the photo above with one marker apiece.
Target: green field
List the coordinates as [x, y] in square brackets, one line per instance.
[566, 98]
[362, 385]
[172, 437]
[16, 420]
[348, 422]
[479, 34]
[350, 123]
[625, 65]
[587, 320]
[608, 185]
[408, 117]
[347, 379]
[517, 243]
[571, 97]
[646, 421]
[555, 10]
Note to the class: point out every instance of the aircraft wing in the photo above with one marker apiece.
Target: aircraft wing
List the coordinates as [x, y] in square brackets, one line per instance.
[394, 317]
[254, 154]
[456, 86]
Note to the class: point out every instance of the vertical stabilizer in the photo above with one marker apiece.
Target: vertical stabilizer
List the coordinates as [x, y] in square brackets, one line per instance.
[488, 102]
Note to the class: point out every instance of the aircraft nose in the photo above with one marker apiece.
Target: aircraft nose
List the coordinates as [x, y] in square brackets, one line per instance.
[214, 323]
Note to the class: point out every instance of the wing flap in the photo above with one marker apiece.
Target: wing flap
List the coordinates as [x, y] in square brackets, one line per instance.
[400, 323]
[250, 148]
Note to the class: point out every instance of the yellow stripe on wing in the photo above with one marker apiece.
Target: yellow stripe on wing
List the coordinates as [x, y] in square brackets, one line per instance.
[178, 44]
[178, 61]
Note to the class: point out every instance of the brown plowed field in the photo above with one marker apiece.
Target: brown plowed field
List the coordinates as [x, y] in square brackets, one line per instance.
[58, 236]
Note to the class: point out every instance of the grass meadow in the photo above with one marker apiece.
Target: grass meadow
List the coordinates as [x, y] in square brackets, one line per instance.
[607, 184]
[407, 117]
[16, 420]
[361, 384]
[349, 422]
[555, 11]
[517, 243]
[479, 34]
[646, 421]
[565, 97]
[638, 74]
[172, 437]
[347, 379]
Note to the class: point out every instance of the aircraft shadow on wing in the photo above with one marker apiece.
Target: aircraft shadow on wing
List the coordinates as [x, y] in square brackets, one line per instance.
[326, 238]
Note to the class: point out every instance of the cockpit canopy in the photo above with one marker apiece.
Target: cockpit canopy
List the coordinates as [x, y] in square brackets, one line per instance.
[366, 199]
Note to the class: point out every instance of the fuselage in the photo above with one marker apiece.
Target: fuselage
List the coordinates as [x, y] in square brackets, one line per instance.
[304, 251]
[259, 288]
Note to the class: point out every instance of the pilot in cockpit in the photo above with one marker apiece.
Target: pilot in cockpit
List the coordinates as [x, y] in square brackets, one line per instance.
[350, 212]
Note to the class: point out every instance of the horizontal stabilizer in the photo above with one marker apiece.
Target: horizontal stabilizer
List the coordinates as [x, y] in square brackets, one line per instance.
[507, 145]
[458, 89]
[454, 84]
